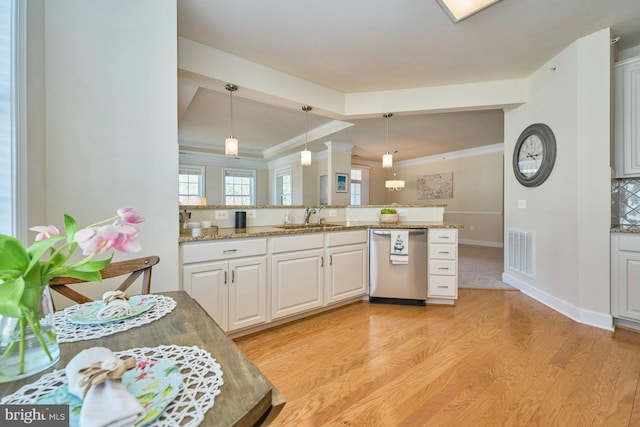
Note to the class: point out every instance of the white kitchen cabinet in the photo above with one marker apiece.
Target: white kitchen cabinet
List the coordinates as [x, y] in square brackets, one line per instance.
[625, 276]
[297, 274]
[227, 281]
[627, 122]
[442, 252]
[347, 267]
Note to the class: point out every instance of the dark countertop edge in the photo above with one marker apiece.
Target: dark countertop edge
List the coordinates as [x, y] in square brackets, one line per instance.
[245, 207]
[251, 232]
[625, 229]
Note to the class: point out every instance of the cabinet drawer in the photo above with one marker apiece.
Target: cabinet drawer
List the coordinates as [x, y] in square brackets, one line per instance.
[442, 267]
[228, 249]
[300, 242]
[338, 238]
[442, 251]
[442, 286]
[443, 235]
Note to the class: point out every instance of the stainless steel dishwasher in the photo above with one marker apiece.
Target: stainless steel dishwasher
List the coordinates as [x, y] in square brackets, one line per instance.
[397, 283]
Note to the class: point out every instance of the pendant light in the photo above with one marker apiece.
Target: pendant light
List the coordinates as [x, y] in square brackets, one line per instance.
[387, 159]
[387, 162]
[305, 156]
[394, 184]
[231, 144]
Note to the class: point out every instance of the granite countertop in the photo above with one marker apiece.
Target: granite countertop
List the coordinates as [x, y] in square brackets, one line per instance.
[272, 230]
[625, 229]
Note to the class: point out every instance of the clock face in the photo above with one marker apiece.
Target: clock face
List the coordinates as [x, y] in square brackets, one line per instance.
[534, 155]
[530, 156]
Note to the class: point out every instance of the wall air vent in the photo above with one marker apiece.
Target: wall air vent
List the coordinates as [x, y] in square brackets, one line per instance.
[521, 252]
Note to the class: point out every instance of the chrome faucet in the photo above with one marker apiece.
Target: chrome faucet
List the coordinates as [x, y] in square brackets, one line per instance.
[320, 219]
[307, 213]
[184, 217]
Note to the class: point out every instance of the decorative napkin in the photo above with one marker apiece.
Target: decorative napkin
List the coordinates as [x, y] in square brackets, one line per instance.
[94, 376]
[399, 247]
[115, 305]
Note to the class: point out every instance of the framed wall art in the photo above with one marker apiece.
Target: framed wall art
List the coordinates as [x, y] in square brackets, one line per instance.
[341, 182]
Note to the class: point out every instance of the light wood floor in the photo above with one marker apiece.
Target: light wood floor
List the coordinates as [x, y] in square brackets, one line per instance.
[496, 358]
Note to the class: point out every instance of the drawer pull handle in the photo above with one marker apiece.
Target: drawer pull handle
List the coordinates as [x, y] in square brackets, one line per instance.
[225, 277]
[443, 252]
[443, 237]
[227, 251]
[441, 286]
[443, 268]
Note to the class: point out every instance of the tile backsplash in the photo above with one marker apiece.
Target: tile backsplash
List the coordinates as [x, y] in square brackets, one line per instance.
[625, 201]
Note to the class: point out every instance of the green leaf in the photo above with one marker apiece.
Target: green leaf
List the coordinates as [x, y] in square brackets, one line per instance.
[89, 276]
[10, 294]
[39, 248]
[93, 265]
[14, 258]
[70, 226]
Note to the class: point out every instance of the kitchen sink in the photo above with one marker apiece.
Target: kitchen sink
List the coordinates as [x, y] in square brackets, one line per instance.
[303, 226]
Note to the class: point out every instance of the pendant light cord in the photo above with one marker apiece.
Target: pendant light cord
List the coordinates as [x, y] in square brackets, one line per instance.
[231, 109]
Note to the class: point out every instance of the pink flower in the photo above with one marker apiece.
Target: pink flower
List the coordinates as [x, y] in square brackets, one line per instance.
[96, 241]
[44, 232]
[99, 240]
[130, 216]
[126, 241]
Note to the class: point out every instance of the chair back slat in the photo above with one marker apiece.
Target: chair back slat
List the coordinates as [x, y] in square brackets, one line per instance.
[134, 268]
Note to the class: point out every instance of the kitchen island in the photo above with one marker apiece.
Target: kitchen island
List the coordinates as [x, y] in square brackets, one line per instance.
[263, 276]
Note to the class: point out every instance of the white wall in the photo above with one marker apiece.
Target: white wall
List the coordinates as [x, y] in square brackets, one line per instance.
[111, 126]
[570, 212]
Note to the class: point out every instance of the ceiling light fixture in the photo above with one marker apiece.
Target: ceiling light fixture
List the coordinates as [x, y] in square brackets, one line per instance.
[305, 156]
[231, 144]
[461, 9]
[394, 184]
[387, 159]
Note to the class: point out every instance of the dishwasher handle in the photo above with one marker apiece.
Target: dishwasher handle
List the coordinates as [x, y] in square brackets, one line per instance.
[388, 233]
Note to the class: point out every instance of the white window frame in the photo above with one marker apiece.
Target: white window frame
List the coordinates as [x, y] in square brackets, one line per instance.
[246, 173]
[279, 190]
[358, 183]
[193, 170]
[13, 212]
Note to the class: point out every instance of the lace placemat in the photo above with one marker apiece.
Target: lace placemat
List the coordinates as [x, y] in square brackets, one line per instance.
[202, 379]
[70, 332]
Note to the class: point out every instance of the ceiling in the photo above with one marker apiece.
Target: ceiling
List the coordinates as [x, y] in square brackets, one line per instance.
[397, 44]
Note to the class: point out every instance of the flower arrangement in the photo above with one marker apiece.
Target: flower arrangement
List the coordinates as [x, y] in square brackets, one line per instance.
[26, 271]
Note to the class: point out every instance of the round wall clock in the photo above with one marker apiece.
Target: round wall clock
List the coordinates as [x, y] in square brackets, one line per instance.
[534, 155]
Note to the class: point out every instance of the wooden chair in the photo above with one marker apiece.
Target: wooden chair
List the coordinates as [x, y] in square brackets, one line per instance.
[133, 267]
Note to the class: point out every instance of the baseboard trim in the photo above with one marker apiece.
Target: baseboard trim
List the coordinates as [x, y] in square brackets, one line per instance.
[581, 315]
[481, 243]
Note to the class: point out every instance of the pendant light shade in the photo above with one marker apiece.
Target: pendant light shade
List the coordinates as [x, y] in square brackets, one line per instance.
[231, 147]
[305, 155]
[387, 159]
[231, 143]
[394, 184]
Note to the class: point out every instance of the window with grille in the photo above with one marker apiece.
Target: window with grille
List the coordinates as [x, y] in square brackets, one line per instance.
[356, 186]
[283, 187]
[239, 187]
[191, 181]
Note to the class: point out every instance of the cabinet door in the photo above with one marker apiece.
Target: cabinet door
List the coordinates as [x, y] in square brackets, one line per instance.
[296, 282]
[347, 272]
[207, 283]
[629, 284]
[247, 292]
[627, 124]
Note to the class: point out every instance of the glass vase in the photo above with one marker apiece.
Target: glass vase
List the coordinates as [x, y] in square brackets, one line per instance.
[28, 344]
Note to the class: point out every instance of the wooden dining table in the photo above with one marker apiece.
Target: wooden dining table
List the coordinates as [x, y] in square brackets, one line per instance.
[246, 398]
